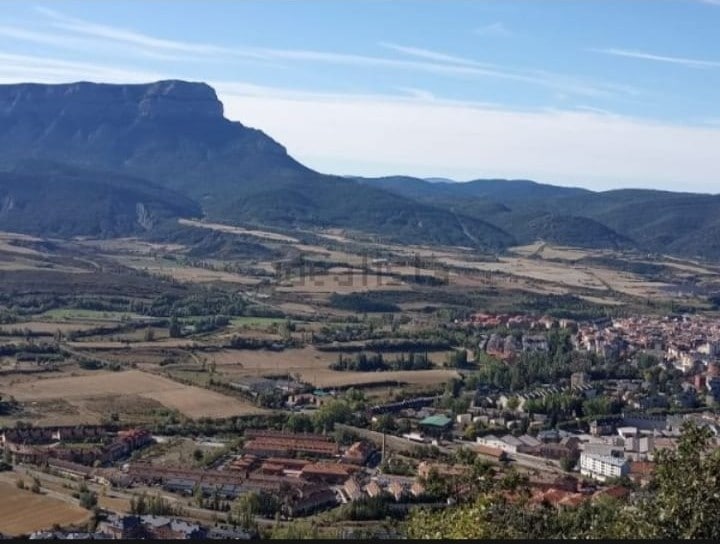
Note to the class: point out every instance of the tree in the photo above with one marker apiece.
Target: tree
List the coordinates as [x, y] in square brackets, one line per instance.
[246, 508]
[88, 499]
[335, 411]
[149, 335]
[568, 463]
[685, 501]
[299, 423]
[681, 502]
[174, 330]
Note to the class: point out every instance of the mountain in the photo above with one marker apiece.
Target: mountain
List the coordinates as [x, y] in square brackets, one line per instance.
[104, 160]
[685, 224]
[173, 133]
[52, 199]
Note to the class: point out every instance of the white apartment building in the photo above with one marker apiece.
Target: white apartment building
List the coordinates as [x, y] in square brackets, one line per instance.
[603, 467]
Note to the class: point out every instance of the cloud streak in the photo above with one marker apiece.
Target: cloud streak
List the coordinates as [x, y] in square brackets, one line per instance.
[418, 59]
[494, 30]
[642, 55]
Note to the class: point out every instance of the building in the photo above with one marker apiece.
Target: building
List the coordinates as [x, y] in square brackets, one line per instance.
[150, 528]
[603, 467]
[489, 451]
[358, 453]
[331, 473]
[279, 444]
[437, 424]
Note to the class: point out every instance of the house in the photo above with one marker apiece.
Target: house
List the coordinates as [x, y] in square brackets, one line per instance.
[438, 423]
[604, 426]
[489, 451]
[641, 472]
[417, 489]
[352, 489]
[150, 528]
[603, 467]
[311, 500]
[397, 490]
[528, 441]
[331, 473]
[510, 443]
[358, 453]
[373, 489]
[492, 441]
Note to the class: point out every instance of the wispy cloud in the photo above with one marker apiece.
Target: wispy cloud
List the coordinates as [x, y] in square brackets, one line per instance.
[710, 2]
[642, 55]
[88, 28]
[435, 55]
[496, 30]
[420, 59]
[14, 68]
[557, 82]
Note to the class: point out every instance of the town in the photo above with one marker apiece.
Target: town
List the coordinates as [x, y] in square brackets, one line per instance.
[608, 395]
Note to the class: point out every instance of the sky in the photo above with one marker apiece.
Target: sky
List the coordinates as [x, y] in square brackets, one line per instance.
[601, 94]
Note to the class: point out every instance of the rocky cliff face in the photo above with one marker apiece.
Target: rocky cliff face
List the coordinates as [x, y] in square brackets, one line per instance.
[97, 102]
[170, 132]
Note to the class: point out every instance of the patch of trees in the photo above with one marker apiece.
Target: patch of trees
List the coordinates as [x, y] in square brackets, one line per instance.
[355, 302]
[411, 345]
[365, 509]
[241, 342]
[154, 505]
[530, 369]
[375, 362]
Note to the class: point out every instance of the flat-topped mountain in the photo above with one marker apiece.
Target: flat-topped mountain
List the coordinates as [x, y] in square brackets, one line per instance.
[173, 133]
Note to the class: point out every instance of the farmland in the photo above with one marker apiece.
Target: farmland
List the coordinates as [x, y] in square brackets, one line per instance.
[300, 287]
[194, 402]
[22, 512]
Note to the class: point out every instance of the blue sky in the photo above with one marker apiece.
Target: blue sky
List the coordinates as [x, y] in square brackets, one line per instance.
[597, 93]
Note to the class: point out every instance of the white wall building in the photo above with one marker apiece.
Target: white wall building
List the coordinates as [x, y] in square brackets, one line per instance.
[603, 467]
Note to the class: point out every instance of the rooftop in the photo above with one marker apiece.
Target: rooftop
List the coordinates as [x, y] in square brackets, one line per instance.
[437, 421]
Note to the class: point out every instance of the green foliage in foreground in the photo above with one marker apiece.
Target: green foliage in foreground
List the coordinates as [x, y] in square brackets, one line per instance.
[682, 501]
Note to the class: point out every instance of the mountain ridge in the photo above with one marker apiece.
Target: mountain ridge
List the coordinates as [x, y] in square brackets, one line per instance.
[173, 134]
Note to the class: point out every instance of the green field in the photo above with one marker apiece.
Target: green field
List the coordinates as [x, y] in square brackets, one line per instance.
[64, 314]
[256, 321]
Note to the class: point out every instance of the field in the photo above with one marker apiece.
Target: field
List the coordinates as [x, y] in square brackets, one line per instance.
[65, 314]
[331, 378]
[22, 511]
[191, 401]
[293, 278]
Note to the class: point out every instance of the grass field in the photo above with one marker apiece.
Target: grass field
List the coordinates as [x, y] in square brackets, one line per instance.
[256, 321]
[22, 511]
[69, 314]
[193, 402]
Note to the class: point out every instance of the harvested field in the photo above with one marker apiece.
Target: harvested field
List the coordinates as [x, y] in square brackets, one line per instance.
[22, 511]
[155, 344]
[342, 283]
[332, 378]
[182, 273]
[250, 362]
[193, 402]
[238, 230]
[51, 326]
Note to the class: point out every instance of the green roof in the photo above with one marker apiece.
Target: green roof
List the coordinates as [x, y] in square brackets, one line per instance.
[437, 421]
[321, 393]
